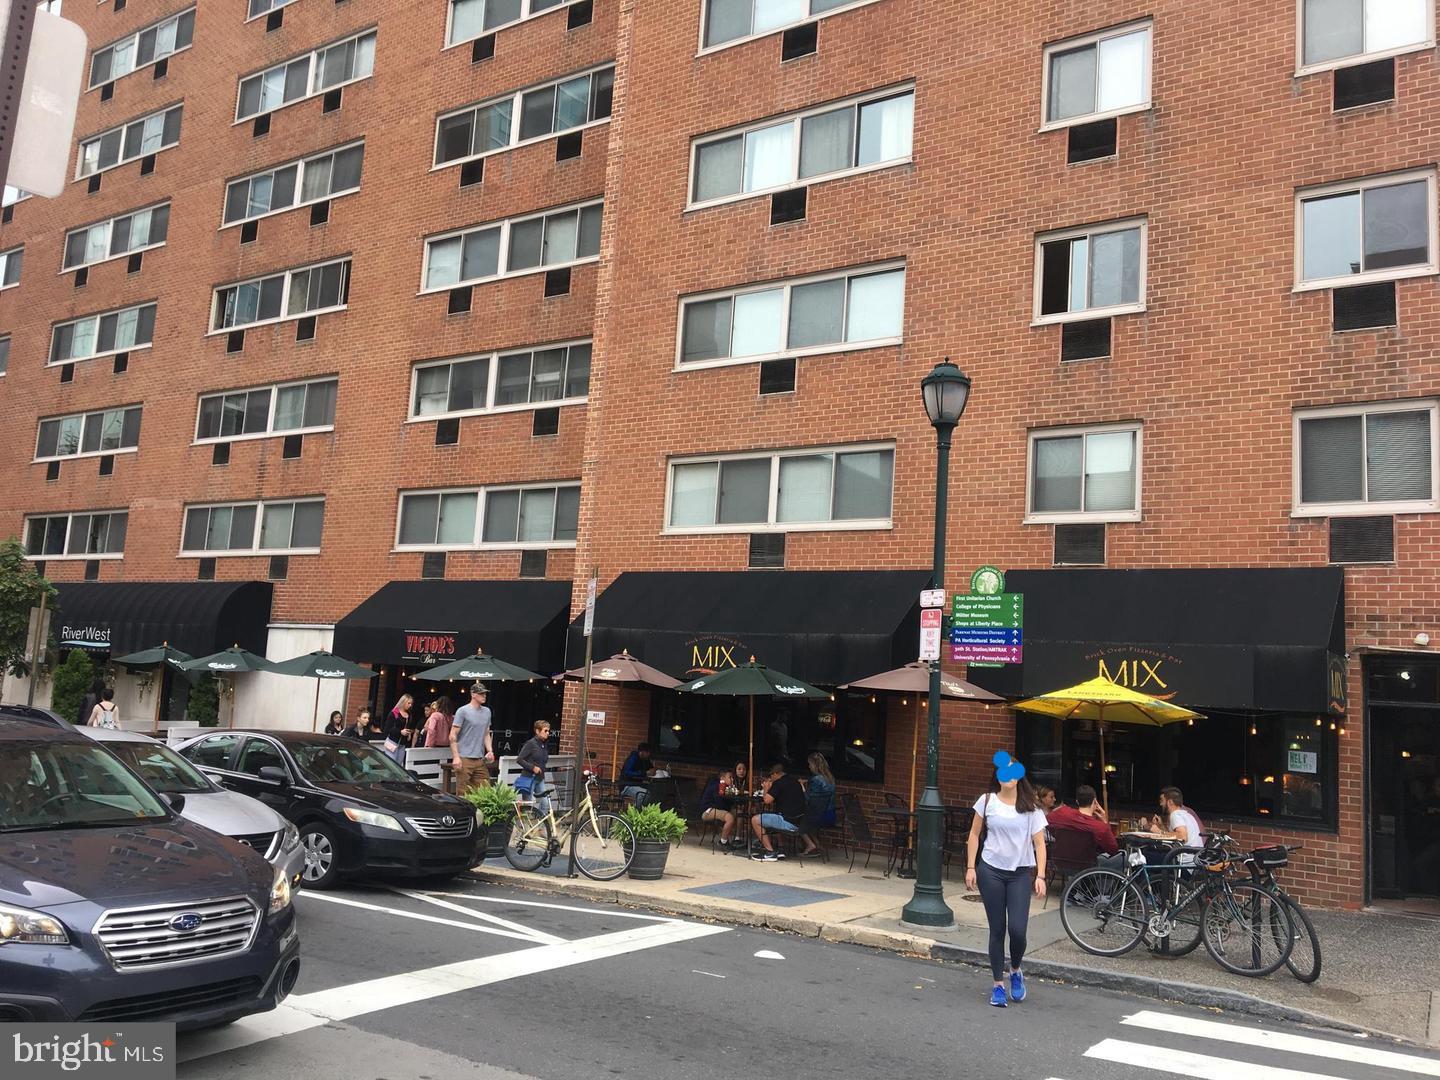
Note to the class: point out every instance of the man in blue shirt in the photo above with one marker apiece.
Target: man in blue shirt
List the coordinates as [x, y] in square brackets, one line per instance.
[635, 773]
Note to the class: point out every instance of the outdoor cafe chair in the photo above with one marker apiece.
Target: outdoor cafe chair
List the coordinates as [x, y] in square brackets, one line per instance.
[1071, 851]
[957, 833]
[857, 825]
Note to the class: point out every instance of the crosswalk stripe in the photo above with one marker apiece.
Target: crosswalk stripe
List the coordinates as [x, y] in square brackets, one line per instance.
[1200, 1066]
[418, 916]
[539, 936]
[1356, 1053]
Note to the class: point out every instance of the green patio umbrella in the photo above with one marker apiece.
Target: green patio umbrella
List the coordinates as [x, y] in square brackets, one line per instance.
[751, 680]
[231, 661]
[320, 665]
[162, 656]
[478, 667]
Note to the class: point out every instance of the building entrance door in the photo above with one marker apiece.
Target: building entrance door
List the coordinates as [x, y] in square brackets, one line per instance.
[1403, 775]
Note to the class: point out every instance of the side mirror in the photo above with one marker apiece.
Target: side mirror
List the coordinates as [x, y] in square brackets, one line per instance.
[275, 775]
[176, 801]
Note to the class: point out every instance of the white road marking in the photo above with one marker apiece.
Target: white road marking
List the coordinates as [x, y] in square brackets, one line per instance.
[530, 932]
[1279, 1040]
[768, 954]
[304, 1011]
[697, 971]
[1200, 1066]
[330, 898]
[559, 907]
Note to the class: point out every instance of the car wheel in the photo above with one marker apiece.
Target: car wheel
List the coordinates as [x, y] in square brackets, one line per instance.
[322, 858]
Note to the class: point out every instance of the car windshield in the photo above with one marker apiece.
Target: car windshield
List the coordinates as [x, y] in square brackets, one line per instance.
[346, 763]
[160, 767]
[56, 785]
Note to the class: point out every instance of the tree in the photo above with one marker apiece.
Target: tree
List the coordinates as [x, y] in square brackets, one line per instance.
[204, 704]
[73, 679]
[20, 592]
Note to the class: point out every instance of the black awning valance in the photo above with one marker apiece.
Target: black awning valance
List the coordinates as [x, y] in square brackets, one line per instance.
[430, 622]
[197, 617]
[822, 626]
[1248, 639]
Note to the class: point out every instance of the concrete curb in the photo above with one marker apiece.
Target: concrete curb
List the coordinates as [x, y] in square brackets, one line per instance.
[1207, 997]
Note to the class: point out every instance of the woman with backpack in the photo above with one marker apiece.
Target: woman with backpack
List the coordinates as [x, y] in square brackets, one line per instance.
[105, 714]
[1006, 860]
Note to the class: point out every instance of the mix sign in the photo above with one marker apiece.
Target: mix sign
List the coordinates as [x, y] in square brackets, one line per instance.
[987, 625]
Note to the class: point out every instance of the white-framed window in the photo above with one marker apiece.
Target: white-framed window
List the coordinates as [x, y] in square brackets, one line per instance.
[280, 527]
[139, 230]
[565, 236]
[106, 431]
[84, 534]
[103, 334]
[170, 35]
[873, 131]
[10, 262]
[1097, 76]
[1377, 229]
[131, 140]
[1374, 458]
[1338, 33]
[346, 61]
[525, 116]
[548, 375]
[264, 7]
[501, 516]
[294, 408]
[13, 195]
[843, 310]
[1090, 272]
[470, 19]
[819, 488]
[728, 22]
[1084, 474]
[326, 175]
[286, 294]
[4, 355]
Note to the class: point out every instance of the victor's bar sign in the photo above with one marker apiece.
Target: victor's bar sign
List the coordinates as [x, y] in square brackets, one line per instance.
[427, 646]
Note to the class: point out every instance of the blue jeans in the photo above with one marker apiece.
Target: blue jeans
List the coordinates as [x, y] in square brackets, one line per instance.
[776, 823]
[1006, 894]
[636, 794]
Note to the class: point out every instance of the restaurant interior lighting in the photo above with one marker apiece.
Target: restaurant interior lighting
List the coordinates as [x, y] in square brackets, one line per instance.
[1405, 675]
[1404, 753]
[1268, 780]
[1342, 731]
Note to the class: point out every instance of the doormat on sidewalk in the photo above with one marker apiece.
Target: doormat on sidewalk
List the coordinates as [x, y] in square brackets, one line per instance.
[766, 892]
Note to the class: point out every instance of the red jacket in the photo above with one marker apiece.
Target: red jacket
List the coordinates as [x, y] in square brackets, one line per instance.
[1067, 817]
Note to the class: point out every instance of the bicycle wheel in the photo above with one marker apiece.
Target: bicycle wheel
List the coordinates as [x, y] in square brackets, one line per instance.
[1104, 912]
[604, 847]
[1184, 918]
[1240, 930]
[1304, 958]
[529, 842]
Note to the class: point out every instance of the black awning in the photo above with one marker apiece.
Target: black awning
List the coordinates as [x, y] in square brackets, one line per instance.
[197, 617]
[822, 626]
[430, 622]
[1221, 639]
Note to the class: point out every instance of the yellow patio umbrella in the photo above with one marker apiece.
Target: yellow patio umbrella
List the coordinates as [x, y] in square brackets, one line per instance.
[1102, 700]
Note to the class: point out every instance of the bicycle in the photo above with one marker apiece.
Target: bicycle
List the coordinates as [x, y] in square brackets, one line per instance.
[1244, 925]
[1304, 960]
[604, 843]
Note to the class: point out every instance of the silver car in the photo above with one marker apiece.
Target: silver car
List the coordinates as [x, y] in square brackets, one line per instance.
[206, 803]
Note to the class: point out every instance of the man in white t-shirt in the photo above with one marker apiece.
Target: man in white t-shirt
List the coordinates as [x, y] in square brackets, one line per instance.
[1179, 823]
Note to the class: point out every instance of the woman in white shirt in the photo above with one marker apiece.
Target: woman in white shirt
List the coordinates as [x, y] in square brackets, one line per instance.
[1011, 827]
[105, 714]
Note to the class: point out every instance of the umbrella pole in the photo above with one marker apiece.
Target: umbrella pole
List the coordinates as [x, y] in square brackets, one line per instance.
[159, 697]
[914, 764]
[315, 717]
[1104, 778]
[615, 755]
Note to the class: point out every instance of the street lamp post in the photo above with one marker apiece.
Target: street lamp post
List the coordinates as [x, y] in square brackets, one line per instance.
[945, 391]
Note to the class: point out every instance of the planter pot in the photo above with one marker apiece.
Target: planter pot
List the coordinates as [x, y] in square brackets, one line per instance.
[495, 838]
[649, 862]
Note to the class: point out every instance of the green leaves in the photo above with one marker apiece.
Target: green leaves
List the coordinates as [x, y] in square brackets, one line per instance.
[20, 591]
[649, 822]
[496, 803]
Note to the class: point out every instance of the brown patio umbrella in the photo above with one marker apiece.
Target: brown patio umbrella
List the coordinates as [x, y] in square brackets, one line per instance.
[621, 668]
[914, 678]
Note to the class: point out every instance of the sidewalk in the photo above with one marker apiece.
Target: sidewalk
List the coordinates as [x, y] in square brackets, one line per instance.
[1381, 972]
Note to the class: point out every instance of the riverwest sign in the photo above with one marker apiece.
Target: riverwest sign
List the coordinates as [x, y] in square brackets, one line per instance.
[84, 637]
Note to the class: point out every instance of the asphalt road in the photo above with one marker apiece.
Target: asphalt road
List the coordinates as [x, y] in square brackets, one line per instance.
[478, 981]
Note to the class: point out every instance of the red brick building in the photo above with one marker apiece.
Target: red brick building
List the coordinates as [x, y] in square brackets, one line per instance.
[1187, 255]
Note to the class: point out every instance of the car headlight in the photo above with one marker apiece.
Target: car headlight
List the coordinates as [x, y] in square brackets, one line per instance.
[291, 839]
[26, 927]
[370, 817]
[279, 893]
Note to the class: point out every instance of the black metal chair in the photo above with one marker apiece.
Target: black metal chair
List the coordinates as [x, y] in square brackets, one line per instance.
[957, 833]
[857, 826]
[1070, 851]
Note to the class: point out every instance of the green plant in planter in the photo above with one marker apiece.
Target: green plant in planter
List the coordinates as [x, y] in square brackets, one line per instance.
[652, 823]
[496, 803]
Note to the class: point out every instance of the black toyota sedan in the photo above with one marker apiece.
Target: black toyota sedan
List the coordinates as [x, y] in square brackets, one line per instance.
[357, 811]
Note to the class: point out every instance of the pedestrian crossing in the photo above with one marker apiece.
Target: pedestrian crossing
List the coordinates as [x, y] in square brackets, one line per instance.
[1161, 1045]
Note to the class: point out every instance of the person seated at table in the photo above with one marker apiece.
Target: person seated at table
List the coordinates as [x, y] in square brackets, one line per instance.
[1045, 798]
[634, 774]
[715, 805]
[784, 801]
[1179, 823]
[336, 726]
[819, 804]
[361, 728]
[1085, 816]
[742, 777]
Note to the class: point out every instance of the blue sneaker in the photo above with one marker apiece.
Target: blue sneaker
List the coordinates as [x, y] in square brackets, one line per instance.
[1017, 986]
[997, 997]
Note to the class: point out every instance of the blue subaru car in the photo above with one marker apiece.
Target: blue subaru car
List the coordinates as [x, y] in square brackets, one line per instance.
[114, 908]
